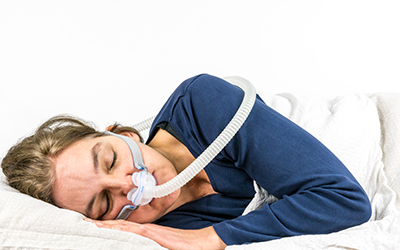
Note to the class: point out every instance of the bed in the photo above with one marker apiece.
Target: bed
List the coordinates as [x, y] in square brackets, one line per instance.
[361, 129]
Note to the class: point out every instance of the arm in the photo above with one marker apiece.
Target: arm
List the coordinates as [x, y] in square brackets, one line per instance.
[170, 238]
[317, 194]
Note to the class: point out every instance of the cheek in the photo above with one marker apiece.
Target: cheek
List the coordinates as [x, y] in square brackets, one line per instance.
[72, 198]
[162, 170]
[69, 190]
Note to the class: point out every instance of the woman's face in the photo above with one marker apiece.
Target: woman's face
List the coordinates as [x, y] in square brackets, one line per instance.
[94, 175]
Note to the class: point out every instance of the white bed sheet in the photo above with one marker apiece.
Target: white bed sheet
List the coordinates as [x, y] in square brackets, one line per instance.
[351, 127]
[355, 127]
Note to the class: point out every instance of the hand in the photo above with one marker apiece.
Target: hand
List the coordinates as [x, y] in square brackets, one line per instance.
[170, 238]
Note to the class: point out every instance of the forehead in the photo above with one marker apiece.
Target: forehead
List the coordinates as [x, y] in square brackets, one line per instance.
[77, 157]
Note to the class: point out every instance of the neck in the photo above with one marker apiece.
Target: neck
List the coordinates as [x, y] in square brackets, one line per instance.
[172, 149]
[179, 155]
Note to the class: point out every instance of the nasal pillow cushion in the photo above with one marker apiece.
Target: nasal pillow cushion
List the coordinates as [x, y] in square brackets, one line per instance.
[141, 179]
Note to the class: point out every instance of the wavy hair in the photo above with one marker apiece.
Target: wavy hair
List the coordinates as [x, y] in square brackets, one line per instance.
[28, 166]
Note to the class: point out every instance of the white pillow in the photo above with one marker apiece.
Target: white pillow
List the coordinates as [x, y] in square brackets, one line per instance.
[388, 105]
[29, 223]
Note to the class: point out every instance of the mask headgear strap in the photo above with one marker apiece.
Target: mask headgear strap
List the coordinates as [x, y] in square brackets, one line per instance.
[136, 154]
[138, 162]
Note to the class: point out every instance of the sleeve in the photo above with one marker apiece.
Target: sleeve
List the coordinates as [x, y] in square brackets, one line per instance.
[316, 192]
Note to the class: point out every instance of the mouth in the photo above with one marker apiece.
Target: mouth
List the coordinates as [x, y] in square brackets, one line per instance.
[155, 177]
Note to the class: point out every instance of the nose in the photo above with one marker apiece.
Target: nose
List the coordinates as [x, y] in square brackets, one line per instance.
[120, 185]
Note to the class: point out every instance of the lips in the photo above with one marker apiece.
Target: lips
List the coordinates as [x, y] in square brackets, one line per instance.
[155, 177]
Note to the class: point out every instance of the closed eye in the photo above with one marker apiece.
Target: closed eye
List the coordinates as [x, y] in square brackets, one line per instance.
[108, 205]
[113, 162]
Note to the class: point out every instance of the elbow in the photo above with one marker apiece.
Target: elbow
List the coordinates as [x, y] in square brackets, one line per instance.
[352, 207]
[365, 209]
[359, 207]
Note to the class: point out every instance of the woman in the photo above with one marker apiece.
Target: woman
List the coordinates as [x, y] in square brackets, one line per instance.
[90, 172]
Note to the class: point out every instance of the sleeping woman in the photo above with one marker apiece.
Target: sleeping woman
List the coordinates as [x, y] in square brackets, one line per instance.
[66, 162]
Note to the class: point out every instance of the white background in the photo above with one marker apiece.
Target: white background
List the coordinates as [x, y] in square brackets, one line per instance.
[109, 61]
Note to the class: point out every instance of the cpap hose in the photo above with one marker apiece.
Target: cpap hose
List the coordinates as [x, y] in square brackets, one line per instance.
[218, 144]
[143, 125]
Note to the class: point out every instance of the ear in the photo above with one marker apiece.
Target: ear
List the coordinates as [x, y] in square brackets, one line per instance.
[109, 128]
[132, 135]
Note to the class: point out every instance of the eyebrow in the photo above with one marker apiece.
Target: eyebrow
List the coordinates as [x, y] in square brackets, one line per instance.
[95, 156]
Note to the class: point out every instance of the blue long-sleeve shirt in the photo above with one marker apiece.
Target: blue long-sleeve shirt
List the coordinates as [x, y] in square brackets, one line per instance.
[316, 192]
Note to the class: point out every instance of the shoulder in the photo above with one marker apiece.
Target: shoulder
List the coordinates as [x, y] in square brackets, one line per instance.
[201, 82]
[209, 87]
[199, 97]
[190, 92]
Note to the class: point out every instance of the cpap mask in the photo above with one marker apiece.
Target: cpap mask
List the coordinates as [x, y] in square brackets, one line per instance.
[146, 185]
[141, 179]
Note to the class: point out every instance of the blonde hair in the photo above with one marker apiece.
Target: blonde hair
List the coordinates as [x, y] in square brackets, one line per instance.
[28, 165]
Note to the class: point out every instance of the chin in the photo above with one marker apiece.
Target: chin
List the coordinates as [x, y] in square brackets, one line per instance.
[155, 209]
[164, 203]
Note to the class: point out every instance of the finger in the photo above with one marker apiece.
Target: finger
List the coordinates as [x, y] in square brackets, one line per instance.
[111, 222]
[119, 222]
[119, 227]
[88, 220]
